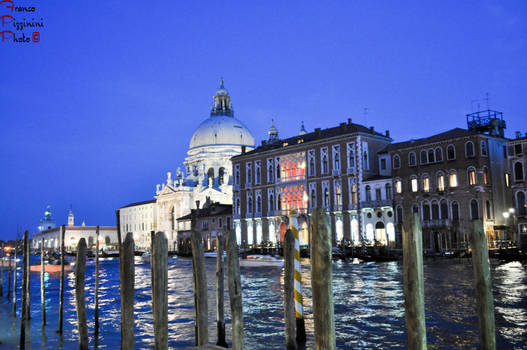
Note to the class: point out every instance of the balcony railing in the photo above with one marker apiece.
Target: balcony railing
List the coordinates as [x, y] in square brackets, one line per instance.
[437, 223]
[377, 203]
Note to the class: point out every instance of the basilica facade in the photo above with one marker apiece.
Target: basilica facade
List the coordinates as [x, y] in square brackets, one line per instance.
[207, 173]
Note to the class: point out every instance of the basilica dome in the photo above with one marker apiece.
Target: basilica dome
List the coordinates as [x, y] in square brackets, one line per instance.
[221, 128]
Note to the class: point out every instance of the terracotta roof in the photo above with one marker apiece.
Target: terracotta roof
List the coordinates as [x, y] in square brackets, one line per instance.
[318, 134]
[139, 203]
[444, 136]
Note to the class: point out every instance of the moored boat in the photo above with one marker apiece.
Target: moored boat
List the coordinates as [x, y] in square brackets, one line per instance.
[261, 261]
[50, 267]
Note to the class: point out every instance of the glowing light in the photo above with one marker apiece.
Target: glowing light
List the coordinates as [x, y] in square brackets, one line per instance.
[506, 215]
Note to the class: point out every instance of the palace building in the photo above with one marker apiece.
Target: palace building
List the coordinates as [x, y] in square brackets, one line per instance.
[336, 168]
[517, 217]
[207, 175]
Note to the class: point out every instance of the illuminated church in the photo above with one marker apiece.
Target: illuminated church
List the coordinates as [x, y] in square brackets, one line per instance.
[207, 173]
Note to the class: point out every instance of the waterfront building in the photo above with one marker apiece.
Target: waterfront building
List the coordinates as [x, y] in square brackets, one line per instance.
[107, 235]
[517, 218]
[336, 168]
[211, 220]
[206, 174]
[453, 178]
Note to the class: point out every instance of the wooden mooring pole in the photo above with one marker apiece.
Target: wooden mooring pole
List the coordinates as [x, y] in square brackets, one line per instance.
[2, 271]
[220, 291]
[23, 294]
[28, 276]
[289, 290]
[414, 303]
[61, 292]
[159, 267]
[200, 289]
[483, 286]
[235, 291]
[321, 280]
[152, 238]
[14, 280]
[80, 298]
[42, 283]
[127, 275]
[96, 311]
[9, 278]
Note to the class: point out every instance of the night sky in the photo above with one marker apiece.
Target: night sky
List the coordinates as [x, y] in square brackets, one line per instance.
[97, 112]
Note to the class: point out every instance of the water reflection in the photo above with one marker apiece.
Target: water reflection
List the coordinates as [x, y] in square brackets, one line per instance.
[368, 297]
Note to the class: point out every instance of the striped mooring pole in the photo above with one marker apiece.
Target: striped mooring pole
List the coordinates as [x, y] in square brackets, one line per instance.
[300, 325]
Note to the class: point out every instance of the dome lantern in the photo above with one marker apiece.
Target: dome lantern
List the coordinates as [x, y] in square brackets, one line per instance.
[222, 102]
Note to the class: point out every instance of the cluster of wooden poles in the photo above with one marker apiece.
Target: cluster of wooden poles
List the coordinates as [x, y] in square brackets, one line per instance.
[295, 338]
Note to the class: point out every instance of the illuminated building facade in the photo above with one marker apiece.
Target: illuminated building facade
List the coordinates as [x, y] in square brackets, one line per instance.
[326, 168]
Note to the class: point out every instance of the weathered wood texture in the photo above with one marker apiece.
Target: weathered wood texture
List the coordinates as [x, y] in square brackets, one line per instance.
[9, 278]
[220, 291]
[96, 311]
[14, 279]
[152, 238]
[414, 303]
[61, 292]
[42, 283]
[289, 290]
[321, 280]
[28, 276]
[159, 267]
[80, 295]
[2, 273]
[23, 311]
[235, 291]
[483, 286]
[200, 289]
[127, 279]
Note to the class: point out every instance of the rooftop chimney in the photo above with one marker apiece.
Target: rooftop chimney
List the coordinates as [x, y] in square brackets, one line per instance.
[349, 121]
[387, 133]
[243, 149]
[518, 134]
[372, 129]
[317, 132]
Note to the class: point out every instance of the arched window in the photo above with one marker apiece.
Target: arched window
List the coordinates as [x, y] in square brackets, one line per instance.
[455, 211]
[485, 176]
[426, 211]
[411, 159]
[210, 176]
[336, 159]
[453, 179]
[469, 149]
[389, 192]
[326, 197]
[439, 154]
[351, 158]
[278, 170]
[325, 164]
[221, 175]
[338, 195]
[444, 209]
[520, 204]
[396, 161]
[90, 241]
[413, 184]
[258, 204]
[107, 240]
[279, 202]
[399, 213]
[474, 209]
[471, 176]
[488, 209]
[450, 152]
[431, 156]
[426, 183]
[250, 205]
[423, 157]
[313, 198]
[518, 171]
[484, 149]
[440, 182]
[368, 193]
[398, 186]
[238, 207]
[435, 210]
[312, 166]
[271, 202]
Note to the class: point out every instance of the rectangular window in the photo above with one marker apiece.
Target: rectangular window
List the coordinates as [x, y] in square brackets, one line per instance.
[398, 186]
[414, 185]
[350, 147]
[311, 163]
[472, 177]
[453, 180]
[249, 173]
[383, 164]
[237, 174]
[336, 157]
[426, 184]
[270, 170]
[378, 195]
[366, 155]
[518, 149]
[324, 161]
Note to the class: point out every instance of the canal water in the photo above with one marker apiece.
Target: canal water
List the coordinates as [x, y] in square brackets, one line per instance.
[369, 306]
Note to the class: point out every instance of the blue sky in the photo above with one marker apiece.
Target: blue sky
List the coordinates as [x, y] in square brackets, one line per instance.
[97, 112]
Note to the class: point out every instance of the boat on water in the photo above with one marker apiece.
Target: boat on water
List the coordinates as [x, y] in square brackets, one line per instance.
[213, 254]
[261, 261]
[52, 266]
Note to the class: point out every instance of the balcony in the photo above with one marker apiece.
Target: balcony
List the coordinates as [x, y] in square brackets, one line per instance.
[376, 203]
[335, 172]
[437, 223]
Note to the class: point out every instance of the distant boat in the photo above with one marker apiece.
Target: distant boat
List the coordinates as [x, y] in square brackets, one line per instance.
[261, 261]
[213, 254]
[53, 266]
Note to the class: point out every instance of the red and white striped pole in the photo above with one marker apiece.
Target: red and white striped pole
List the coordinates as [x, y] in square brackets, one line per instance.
[300, 325]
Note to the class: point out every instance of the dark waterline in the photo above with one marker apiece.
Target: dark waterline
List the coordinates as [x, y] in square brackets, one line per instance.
[369, 306]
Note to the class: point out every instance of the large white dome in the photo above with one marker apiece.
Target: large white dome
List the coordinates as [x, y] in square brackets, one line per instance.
[221, 130]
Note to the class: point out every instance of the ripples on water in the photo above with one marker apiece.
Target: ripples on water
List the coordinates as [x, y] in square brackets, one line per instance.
[368, 297]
